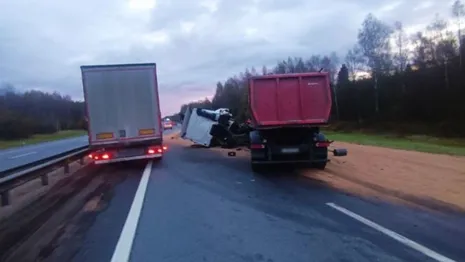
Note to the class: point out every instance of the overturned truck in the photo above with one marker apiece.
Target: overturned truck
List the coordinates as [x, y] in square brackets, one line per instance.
[287, 112]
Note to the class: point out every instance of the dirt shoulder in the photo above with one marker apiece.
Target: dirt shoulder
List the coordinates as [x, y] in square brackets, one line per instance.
[423, 179]
[431, 180]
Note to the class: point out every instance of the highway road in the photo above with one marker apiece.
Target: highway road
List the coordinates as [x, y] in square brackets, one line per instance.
[200, 205]
[10, 158]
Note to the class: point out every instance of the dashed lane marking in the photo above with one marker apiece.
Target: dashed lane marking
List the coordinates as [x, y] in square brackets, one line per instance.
[23, 155]
[410, 243]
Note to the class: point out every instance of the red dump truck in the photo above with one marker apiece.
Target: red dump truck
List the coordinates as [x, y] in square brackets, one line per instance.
[287, 113]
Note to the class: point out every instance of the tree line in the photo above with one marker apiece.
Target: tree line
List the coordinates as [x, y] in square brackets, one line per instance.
[34, 112]
[389, 78]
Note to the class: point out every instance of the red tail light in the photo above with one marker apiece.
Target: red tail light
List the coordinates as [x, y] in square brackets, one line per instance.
[97, 156]
[156, 150]
[322, 144]
[257, 146]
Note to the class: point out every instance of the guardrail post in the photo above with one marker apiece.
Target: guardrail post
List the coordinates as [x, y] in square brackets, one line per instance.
[44, 178]
[66, 166]
[5, 195]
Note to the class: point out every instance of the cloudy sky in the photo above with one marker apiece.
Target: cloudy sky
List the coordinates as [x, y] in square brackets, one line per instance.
[194, 43]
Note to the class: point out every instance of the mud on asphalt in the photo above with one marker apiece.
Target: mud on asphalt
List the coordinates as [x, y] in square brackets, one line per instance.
[421, 180]
[50, 227]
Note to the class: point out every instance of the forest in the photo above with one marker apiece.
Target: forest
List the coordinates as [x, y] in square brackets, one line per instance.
[23, 114]
[389, 80]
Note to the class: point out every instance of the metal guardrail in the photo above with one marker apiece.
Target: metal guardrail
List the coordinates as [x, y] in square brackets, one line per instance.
[17, 176]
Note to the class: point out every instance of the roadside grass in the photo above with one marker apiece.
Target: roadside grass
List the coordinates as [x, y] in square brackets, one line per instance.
[419, 143]
[36, 139]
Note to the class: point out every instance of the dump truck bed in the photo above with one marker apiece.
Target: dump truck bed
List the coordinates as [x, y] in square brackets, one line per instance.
[122, 103]
[290, 99]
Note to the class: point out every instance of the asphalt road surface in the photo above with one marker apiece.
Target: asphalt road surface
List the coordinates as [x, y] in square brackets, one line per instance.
[199, 205]
[10, 158]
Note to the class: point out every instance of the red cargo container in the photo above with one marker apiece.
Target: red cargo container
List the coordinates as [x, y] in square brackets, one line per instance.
[290, 99]
[287, 112]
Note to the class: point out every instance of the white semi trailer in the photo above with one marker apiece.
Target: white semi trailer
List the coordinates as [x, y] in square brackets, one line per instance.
[123, 112]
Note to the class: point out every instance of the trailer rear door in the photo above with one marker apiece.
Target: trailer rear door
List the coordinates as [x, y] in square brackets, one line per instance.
[122, 103]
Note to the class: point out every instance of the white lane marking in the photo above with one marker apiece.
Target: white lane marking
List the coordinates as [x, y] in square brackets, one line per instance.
[41, 146]
[124, 245]
[410, 243]
[22, 155]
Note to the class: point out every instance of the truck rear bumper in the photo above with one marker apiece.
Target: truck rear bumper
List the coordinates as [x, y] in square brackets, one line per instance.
[98, 162]
[288, 161]
[125, 143]
[278, 154]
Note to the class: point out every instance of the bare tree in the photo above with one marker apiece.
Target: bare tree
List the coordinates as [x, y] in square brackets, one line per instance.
[458, 11]
[264, 70]
[401, 56]
[314, 63]
[444, 45]
[437, 30]
[299, 65]
[333, 67]
[374, 41]
[354, 61]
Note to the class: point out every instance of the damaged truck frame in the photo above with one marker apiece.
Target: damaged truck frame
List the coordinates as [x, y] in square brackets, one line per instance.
[287, 112]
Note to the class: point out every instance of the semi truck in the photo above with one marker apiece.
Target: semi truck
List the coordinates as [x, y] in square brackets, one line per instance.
[123, 112]
[287, 112]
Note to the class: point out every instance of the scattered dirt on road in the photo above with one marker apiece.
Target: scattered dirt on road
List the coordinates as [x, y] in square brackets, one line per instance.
[32, 228]
[426, 180]
[93, 205]
[46, 223]
[32, 190]
[434, 181]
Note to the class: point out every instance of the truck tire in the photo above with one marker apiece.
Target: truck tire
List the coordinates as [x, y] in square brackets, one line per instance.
[320, 165]
[320, 154]
[258, 168]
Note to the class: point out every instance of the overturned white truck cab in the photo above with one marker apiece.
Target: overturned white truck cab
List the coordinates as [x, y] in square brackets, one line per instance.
[198, 124]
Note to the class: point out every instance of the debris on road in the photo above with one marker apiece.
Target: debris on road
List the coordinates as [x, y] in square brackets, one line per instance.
[413, 178]
[48, 226]
[31, 191]
[427, 180]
